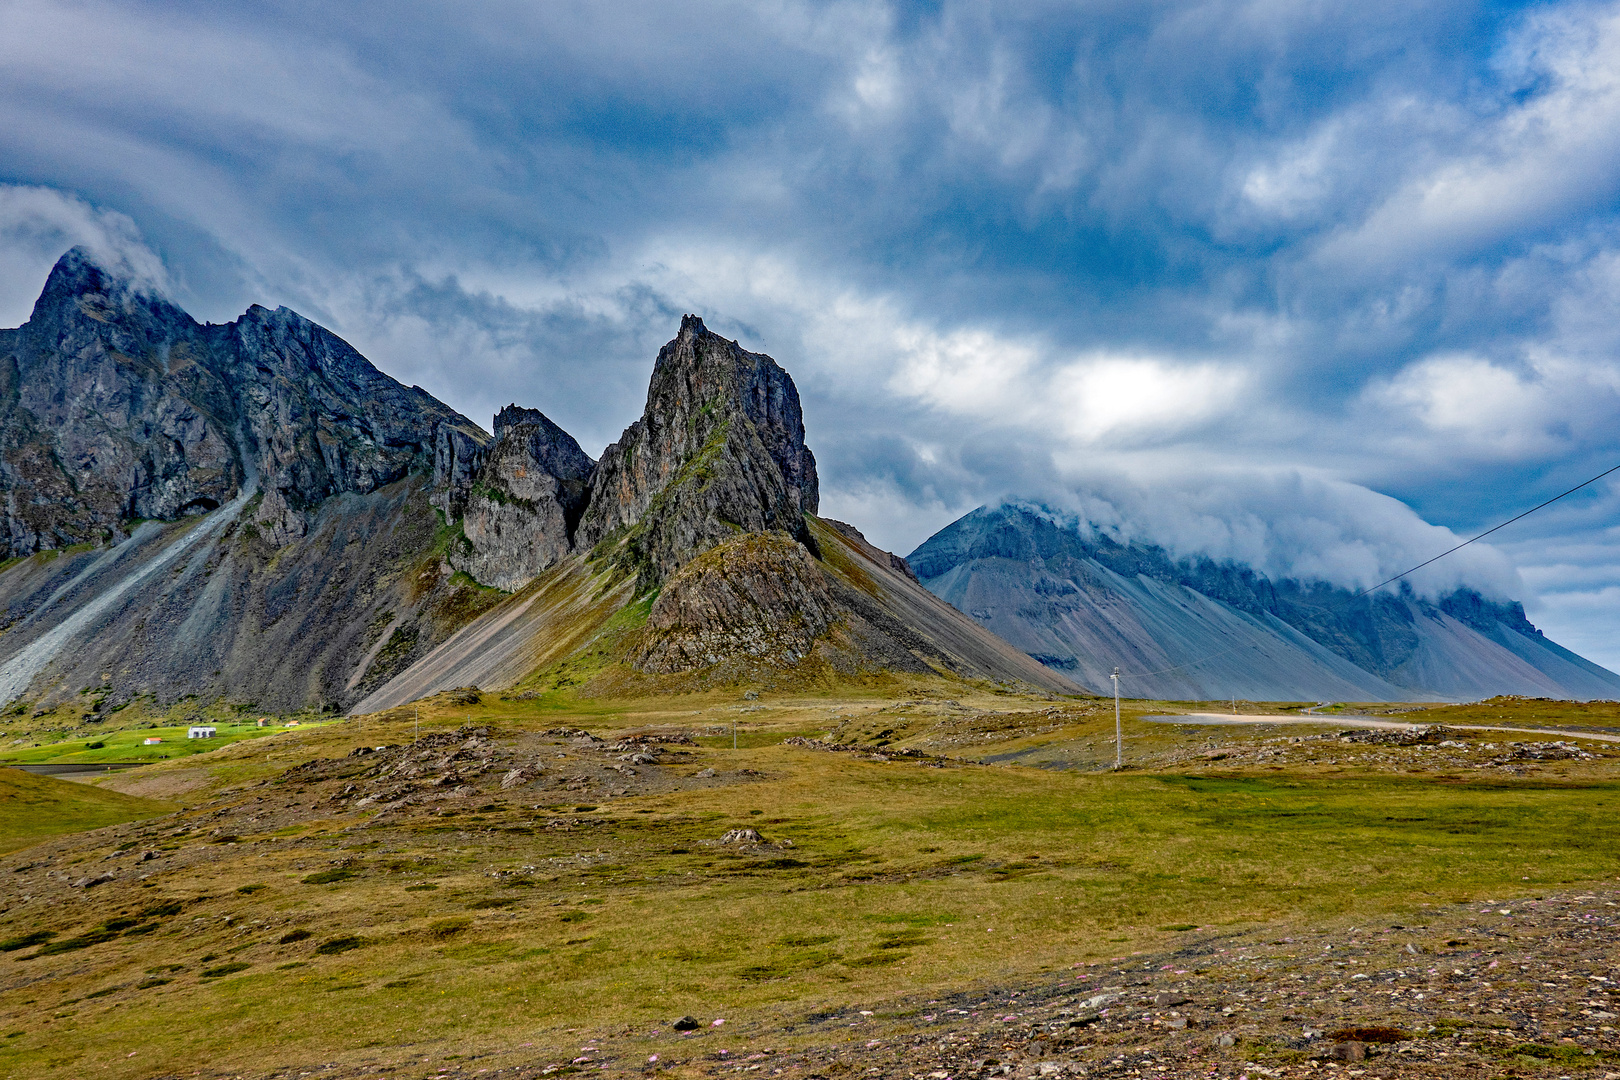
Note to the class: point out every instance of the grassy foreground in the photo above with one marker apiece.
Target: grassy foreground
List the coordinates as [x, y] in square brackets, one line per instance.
[35, 807]
[280, 926]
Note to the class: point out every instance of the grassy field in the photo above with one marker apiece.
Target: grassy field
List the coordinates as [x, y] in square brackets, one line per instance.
[129, 744]
[35, 807]
[278, 921]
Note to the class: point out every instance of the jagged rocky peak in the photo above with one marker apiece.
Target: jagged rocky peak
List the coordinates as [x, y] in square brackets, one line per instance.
[522, 501]
[324, 420]
[118, 405]
[114, 407]
[719, 450]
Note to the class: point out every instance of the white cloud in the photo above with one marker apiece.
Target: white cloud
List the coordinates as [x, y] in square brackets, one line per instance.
[1554, 152]
[1286, 524]
[37, 224]
[1480, 409]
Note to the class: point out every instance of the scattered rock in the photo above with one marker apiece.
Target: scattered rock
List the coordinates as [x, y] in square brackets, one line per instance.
[686, 1023]
[1345, 1051]
[742, 836]
[521, 775]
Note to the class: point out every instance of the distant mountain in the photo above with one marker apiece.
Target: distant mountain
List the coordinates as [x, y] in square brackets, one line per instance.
[1195, 629]
[253, 511]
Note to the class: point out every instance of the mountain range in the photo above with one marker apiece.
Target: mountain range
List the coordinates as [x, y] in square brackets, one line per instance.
[252, 512]
[1197, 629]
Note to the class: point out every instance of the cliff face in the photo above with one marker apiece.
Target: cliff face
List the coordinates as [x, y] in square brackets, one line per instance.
[115, 405]
[521, 506]
[718, 451]
[320, 420]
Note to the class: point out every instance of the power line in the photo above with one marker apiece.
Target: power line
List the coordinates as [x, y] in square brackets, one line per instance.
[1488, 532]
[1387, 581]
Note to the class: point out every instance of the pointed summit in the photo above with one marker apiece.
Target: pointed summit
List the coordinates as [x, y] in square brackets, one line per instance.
[718, 451]
[116, 404]
[83, 297]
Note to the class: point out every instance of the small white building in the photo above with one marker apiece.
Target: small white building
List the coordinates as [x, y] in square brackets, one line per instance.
[200, 731]
[151, 742]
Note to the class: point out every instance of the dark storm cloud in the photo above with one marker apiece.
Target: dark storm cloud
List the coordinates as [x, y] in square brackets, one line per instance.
[1039, 250]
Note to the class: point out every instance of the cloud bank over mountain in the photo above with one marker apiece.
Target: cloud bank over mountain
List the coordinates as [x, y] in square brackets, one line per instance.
[1287, 525]
[1021, 252]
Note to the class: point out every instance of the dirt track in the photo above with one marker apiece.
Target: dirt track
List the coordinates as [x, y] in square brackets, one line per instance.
[1247, 719]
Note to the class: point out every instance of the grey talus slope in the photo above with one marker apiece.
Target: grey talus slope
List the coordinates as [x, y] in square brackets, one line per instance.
[208, 606]
[1199, 630]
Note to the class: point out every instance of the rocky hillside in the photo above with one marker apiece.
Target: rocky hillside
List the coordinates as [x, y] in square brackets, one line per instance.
[718, 451]
[1197, 629]
[759, 610]
[118, 407]
[237, 511]
[252, 511]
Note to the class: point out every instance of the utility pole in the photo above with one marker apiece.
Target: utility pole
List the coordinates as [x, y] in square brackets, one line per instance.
[1119, 737]
[418, 737]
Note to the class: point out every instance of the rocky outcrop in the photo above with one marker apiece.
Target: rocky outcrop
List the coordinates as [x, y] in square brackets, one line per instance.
[457, 457]
[521, 506]
[115, 406]
[718, 451]
[760, 596]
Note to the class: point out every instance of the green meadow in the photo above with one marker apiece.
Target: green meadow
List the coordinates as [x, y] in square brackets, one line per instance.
[471, 931]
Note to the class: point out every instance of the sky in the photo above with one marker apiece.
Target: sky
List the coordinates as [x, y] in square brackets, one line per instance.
[1320, 286]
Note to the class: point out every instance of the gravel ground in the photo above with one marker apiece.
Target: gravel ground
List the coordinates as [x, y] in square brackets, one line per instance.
[1527, 987]
[1513, 988]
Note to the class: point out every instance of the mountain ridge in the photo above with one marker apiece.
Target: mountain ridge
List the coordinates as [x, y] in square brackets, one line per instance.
[253, 512]
[117, 406]
[1083, 604]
